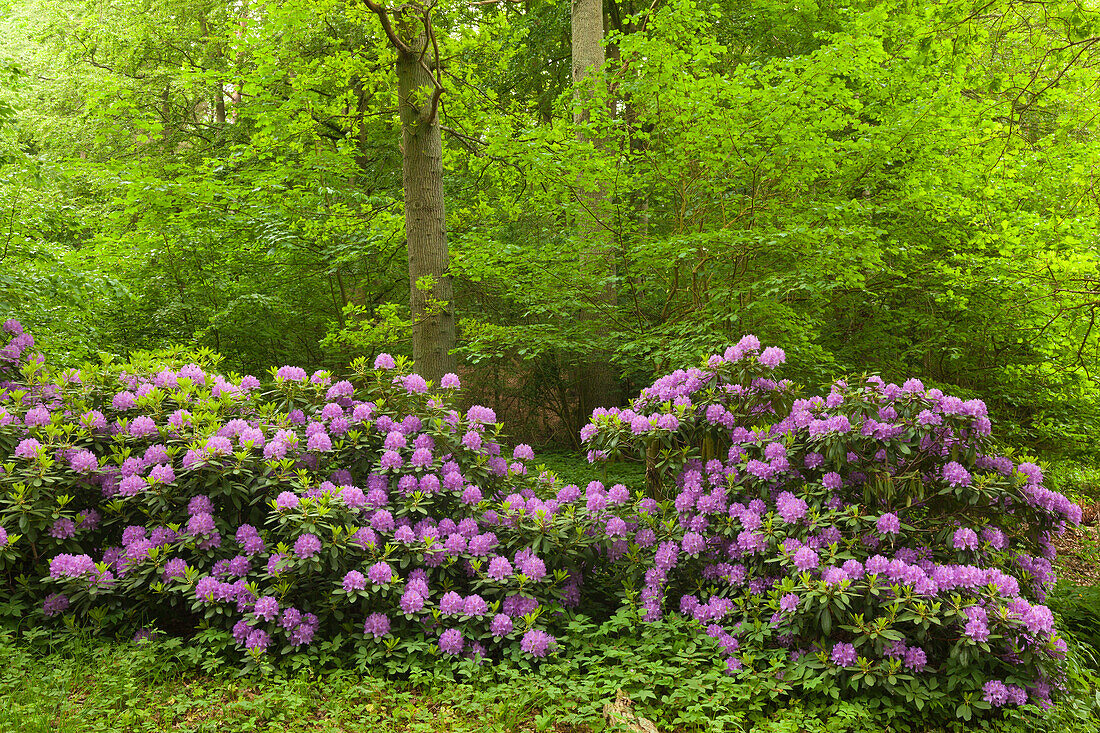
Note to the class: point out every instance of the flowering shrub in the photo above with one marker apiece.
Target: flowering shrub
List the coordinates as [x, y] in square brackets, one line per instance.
[865, 540]
[366, 510]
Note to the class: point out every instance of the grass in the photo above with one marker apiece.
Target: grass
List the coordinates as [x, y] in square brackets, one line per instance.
[572, 468]
[100, 687]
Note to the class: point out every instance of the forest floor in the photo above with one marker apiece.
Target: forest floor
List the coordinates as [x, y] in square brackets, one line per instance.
[85, 685]
[1079, 553]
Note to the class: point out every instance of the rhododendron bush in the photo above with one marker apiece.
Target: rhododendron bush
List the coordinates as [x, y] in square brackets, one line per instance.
[148, 496]
[861, 542]
[866, 538]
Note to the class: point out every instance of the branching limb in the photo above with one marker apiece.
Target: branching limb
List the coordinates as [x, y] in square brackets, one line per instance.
[384, 18]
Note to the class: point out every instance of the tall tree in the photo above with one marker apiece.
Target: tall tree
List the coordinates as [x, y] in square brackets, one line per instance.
[597, 382]
[420, 86]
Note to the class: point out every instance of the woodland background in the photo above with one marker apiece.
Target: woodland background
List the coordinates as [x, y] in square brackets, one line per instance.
[906, 188]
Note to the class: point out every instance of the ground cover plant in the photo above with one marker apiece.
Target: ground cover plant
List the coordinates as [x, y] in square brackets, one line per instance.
[861, 546]
[79, 684]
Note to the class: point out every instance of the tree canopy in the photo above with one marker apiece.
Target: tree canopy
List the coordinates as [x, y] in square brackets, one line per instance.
[898, 188]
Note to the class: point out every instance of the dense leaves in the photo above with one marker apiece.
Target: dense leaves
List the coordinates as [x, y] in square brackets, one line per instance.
[895, 188]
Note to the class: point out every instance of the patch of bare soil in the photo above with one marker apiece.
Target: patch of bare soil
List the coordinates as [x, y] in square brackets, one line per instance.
[1079, 549]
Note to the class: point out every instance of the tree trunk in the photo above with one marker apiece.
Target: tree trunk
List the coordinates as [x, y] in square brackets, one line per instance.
[597, 385]
[431, 301]
[219, 94]
[587, 50]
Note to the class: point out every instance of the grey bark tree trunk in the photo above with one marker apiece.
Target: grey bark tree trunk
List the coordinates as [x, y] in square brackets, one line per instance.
[431, 294]
[431, 301]
[588, 55]
[597, 384]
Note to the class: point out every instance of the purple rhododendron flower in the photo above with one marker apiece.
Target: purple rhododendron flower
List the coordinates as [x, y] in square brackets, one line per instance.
[142, 426]
[258, 640]
[123, 401]
[55, 603]
[499, 568]
[455, 544]
[472, 440]
[772, 357]
[83, 461]
[915, 659]
[320, 442]
[537, 642]
[200, 504]
[532, 566]
[995, 693]
[805, 559]
[391, 461]
[790, 508]
[377, 625]
[451, 604]
[266, 608]
[382, 521]
[888, 524]
[380, 573]
[501, 625]
[955, 475]
[28, 449]
[965, 539]
[693, 543]
[474, 605]
[286, 500]
[843, 655]
[63, 529]
[421, 458]
[1033, 473]
[451, 642]
[290, 374]
[615, 527]
[411, 601]
[354, 580]
[132, 534]
[200, 524]
[307, 545]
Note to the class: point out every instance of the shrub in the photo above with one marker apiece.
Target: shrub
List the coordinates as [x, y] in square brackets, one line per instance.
[861, 542]
[1078, 611]
[366, 512]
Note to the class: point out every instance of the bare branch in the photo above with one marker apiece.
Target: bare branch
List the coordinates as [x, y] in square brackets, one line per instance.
[437, 77]
[384, 18]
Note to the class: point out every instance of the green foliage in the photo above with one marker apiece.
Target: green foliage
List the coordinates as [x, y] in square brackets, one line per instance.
[573, 468]
[1078, 480]
[667, 671]
[77, 685]
[894, 188]
[1078, 608]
